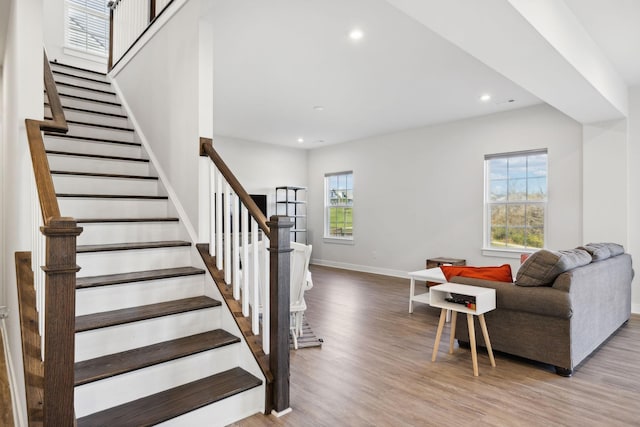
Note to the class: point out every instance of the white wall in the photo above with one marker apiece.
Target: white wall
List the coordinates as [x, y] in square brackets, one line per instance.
[21, 98]
[604, 182]
[633, 194]
[54, 40]
[160, 85]
[262, 167]
[419, 193]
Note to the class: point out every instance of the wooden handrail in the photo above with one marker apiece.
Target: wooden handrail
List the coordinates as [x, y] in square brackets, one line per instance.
[206, 149]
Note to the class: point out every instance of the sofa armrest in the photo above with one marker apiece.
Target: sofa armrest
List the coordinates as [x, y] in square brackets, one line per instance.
[543, 300]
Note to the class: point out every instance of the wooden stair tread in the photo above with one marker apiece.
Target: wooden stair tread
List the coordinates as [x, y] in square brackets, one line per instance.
[128, 315]
[110, 220]
[115, 364]
[171, 403]
[75, 76]
[131, 246]
[96, 156]
[89, 138]
[84, 98]
[106, 92]
[136, 276]
[111, 196]
[73, 67]
[85, 110]
[99, 125]
[104, 175]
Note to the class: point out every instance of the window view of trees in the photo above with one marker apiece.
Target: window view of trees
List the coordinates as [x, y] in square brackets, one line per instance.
[339, 205]
[516, 200]
[87, 26]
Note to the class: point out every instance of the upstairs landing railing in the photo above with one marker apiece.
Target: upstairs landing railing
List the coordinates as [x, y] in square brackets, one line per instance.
[54, 279]
[237, 226]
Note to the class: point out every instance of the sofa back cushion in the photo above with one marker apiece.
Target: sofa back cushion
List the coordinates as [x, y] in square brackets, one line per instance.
[542, 267]
[602, 251]
[498, 274]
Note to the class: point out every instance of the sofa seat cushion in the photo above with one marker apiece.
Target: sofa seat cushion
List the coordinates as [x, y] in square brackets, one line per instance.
[542, 300]
[543, 266]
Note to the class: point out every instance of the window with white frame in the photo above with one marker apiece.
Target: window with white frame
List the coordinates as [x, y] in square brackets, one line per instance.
[515, 200]
[87, 26]
[338, 204]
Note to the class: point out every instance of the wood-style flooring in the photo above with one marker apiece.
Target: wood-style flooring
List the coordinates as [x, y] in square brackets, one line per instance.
[6, 414]
[374, 369]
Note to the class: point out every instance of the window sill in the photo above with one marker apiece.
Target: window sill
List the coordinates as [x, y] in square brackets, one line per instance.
[85, 55]
[338, 240]
[506, 253]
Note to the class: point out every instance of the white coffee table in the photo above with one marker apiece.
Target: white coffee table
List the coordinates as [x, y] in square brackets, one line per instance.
[485, 300]
[429, 274]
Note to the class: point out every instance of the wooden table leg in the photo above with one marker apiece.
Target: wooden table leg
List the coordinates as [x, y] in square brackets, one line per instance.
[443, 315]
[454, 316]
[485, 334]
[472, 339]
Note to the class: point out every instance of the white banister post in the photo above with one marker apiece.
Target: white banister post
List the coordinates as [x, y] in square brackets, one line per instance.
[219, 254]
[255, 276]
[212, 209]
[236, 246]
[266, 313]
[227, 232]
[246, 268]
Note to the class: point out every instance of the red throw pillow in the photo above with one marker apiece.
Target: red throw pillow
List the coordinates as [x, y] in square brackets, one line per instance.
[498, 274]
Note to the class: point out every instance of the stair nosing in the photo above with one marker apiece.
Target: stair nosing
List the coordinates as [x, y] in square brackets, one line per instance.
[136, 276]
[110, 196]
[96, 156]
[99, 101]
[77, 68]
[112, 364]
[89, 138]
[104, 175]
[148, 410]
[105, 92]
[62, 73]
[112, 247]
[122, 220]
[134, 314]
[75, 122]
[84, 110]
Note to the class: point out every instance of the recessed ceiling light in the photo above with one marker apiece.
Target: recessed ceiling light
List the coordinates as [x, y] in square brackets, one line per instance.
[485, 98]
[356, 34]
[300, 140]
[318, 107]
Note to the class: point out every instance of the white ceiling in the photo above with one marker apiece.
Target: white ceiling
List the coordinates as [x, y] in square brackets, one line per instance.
[274, 61]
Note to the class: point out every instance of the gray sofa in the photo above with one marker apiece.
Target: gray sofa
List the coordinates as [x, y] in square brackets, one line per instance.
[562, 322]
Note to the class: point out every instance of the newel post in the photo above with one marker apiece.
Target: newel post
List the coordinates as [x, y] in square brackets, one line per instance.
[280, 264]
[60, 308]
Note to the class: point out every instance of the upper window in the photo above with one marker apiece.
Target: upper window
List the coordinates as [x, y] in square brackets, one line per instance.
[515, 200]
[87, 26]
[339, 205]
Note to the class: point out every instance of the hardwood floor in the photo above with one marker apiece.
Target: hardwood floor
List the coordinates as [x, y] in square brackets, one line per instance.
[6, 414]
[375, 368]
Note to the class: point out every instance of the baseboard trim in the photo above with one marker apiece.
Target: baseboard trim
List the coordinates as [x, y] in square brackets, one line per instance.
[635, 308]
[16, 404]
[361, 268]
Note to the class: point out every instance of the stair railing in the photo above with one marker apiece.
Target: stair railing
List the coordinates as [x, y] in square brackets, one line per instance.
[54, 266]
[128, 21]
[232, 210]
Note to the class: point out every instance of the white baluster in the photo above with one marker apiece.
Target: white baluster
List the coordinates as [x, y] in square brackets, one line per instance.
[212, 209]
[255, 303]
[246, 268]
[227, 232]
[236, 247]
[219, 254]
[266, 286]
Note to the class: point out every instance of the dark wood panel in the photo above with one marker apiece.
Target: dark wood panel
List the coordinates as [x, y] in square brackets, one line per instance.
[134, 314]
[131, 246]
[127, 361]
[374, 368]
[110, 220]
[136, 276]
[113, 196]
[163, 406]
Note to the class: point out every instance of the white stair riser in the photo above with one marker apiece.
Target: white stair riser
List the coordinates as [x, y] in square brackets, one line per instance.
[84, 146]
[102, 133]
[224, 412]
[115, 297]
[61, 78]
[114, 339]
[76, 72]
[87, 117]
[102, 185]
[86, 93]
[100, 395]
[119, 232]
[115, 262]
[89, 105]
[111, 208]
[86, 164]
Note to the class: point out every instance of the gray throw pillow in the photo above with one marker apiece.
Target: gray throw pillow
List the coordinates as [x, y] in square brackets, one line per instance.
[542, 267]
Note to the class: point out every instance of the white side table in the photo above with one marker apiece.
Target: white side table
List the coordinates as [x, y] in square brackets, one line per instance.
[429, 274]
[485, 300]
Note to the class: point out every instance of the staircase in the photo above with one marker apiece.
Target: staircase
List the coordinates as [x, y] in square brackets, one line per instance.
[151, 344]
